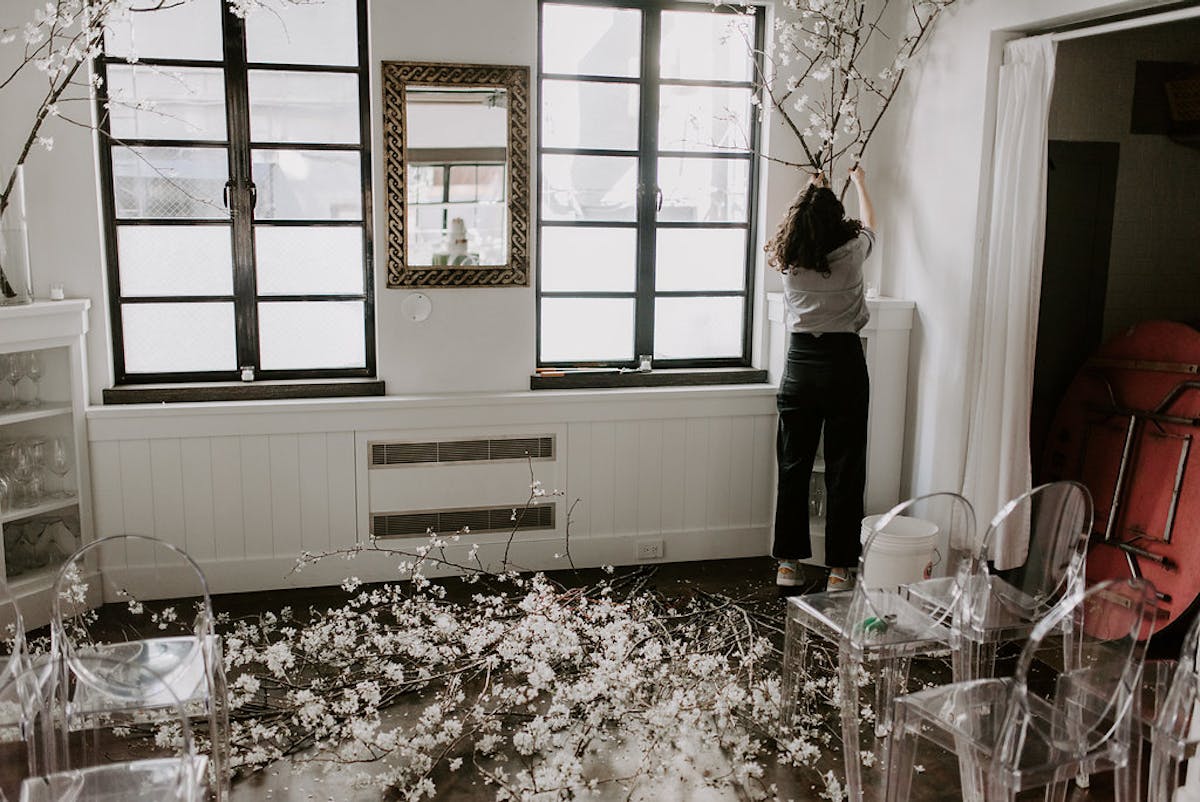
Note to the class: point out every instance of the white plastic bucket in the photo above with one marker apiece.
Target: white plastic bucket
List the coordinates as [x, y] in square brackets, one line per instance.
[901, 553]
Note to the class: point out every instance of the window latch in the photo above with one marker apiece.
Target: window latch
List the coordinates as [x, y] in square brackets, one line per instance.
[225, 193]
[253, 196]
[658, 199]
[247, 373]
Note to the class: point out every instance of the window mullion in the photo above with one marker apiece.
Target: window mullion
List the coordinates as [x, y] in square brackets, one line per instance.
[242, 192]
[648, 191]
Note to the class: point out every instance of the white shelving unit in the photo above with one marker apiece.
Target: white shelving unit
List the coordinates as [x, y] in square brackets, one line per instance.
[56, 330]
[885, 340]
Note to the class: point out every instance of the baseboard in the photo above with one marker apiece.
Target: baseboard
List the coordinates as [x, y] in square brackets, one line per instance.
[241, 575]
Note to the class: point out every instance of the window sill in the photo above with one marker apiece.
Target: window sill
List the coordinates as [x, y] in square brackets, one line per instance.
[597, 380]
[237, 391]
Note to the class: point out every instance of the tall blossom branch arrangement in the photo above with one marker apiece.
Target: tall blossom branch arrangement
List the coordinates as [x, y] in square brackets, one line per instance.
[56, 48]
[814, 74]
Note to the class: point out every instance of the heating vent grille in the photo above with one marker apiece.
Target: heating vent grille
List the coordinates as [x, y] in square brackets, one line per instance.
[446, 522]
[504, 448]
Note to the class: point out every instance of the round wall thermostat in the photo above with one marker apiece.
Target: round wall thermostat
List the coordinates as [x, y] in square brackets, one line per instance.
[416, 307]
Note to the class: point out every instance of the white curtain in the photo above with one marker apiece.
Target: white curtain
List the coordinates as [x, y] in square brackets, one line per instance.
[997, 460]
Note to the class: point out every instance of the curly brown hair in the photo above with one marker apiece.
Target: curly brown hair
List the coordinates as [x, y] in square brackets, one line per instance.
[815, 225]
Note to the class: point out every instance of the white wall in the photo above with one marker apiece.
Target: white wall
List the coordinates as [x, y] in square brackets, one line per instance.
[1154, 265]
[931, 170]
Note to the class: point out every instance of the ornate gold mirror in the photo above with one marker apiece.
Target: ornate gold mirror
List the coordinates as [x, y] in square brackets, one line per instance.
[456, 160]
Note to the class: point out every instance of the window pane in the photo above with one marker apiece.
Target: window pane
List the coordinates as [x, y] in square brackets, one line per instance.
[577, 114]
[307, 185]
[702, 45]
[166, 102]
[589, 187]
[704, 190]
[184, 337]
[589, 259]
[299, 335]
[309, 260]
[304, 33]
[426, 183]
[303, 107]
[177, 30]
[694, 328]
[703, 118]
[462, 182]
[490, 180]
[691, 259]
[591, 41]
[169, 182]
[587, 329]
[175, 260]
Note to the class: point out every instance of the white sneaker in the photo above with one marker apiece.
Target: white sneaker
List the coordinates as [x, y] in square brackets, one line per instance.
[788, 575]
[840, 579]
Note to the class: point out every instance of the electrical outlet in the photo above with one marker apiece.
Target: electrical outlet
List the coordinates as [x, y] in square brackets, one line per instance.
[649, 549]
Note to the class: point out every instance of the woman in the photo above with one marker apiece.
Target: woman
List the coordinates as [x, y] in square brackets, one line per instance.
[820, 254]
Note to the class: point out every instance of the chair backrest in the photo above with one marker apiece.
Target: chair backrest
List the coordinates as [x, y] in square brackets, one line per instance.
[1176, 708]
[930, 536]
[13, 654]
[153, 590]
[1108, 624]
[81, 765]
[1037, 546]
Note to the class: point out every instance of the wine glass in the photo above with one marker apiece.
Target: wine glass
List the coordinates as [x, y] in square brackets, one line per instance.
[33, 369]
[60, 464]
[14, 371]
[24, 470]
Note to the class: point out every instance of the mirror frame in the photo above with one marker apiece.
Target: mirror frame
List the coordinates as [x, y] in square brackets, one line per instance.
[397, 75]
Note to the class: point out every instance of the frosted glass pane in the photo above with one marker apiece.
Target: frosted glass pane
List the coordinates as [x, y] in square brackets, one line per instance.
[310, 107]
[175, 260]
[591, 41]
[589, 187]
[577, 114]
[704, 46]
[696, 328]
[704, 190]
[317, 260]
[589, 259]
[587, 329]
[286, 32]
[692, 259]
[148, 102]
[307, 185]
[299, 335]
[703, 118]
[176, 30]
[185, 337]
[170, 182]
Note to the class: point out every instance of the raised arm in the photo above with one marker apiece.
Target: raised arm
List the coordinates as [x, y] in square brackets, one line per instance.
[864, 199]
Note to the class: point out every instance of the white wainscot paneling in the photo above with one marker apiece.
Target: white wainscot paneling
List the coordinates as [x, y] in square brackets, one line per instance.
[246, 491]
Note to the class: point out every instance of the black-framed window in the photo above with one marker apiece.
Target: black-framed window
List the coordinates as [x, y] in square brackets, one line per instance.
[440, 191]
[648, 182]
[235, 163]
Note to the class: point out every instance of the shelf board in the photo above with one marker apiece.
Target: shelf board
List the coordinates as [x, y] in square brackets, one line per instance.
[51, 409]
[50, 505]
[33, 580]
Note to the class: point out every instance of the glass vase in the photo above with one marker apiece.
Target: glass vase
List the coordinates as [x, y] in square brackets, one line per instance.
[16, 278]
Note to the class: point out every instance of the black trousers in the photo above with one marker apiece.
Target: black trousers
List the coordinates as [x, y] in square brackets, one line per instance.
[824, 385]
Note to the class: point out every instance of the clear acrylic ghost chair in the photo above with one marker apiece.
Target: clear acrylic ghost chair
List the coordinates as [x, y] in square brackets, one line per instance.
[876, 625]
[1032, 555]
[1013, 739]
[123, 752]
[1171, 691]
[159, 615]
[13, 653]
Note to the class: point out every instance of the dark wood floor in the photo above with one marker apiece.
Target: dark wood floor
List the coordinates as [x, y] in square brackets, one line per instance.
[748, 578]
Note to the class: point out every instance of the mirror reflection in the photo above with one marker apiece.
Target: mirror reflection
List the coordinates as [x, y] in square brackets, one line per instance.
[456, 140]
